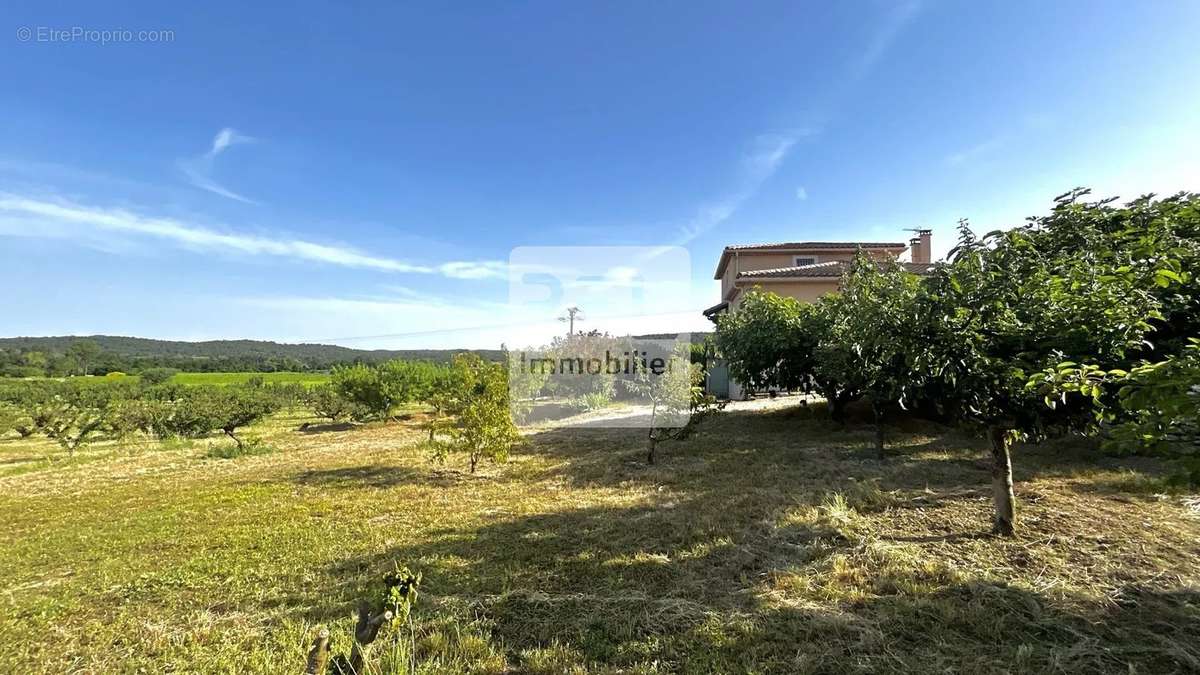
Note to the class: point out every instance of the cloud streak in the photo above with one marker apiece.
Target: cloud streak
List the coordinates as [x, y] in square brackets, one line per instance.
[67, 218]
[762, 161]
[894, 23]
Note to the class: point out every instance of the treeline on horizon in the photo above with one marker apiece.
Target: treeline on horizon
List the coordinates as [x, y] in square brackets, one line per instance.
[65, 356]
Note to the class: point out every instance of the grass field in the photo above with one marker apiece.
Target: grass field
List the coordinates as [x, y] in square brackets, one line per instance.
[771, 542]
[307, 379]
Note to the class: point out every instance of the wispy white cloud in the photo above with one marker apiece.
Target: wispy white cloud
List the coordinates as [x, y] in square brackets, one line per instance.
[802, 193]
[485, 269]
[763, 159]
[68, 219]
[198, 170]
[225, 138]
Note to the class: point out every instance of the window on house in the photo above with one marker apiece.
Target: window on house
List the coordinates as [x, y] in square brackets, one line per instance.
[805, 260]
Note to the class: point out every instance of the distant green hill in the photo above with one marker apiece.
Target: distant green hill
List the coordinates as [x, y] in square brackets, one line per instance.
[132, 354]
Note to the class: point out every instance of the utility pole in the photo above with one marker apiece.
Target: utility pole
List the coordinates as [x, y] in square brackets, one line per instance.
[573, 313]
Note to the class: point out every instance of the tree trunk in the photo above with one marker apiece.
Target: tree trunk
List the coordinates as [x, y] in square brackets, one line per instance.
[877, 408]
[837, 408]
[1002, 483]
[229, 433]
[650, 453]
[474, 460]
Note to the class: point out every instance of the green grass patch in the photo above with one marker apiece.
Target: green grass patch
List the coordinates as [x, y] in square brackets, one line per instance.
[250, 447]
[769, 542]
[306, 379]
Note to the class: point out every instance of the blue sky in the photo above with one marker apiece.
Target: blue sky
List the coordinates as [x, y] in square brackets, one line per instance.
[362, 174]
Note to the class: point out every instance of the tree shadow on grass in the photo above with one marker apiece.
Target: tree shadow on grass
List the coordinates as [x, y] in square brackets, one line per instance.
[326, 428]
[964, 627]
[382, 476]
[697, 575]
[705, 585]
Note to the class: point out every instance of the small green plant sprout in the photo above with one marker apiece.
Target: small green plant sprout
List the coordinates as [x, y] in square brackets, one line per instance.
[250, 446]
[400, 597]
[391, 610]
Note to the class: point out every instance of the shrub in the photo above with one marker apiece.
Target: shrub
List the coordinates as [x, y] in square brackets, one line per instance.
[155, 376]
[593, 400]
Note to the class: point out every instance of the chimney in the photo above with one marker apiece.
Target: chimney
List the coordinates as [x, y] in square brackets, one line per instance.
[926, 246]
[914, 248]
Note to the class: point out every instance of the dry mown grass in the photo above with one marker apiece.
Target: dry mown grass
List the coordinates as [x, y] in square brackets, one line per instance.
[769, 542]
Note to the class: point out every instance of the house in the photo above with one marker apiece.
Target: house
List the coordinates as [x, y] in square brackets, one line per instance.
[803, 270]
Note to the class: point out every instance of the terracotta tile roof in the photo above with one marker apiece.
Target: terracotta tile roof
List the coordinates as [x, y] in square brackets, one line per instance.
[803, 246]
[815, 244]
[831, 269]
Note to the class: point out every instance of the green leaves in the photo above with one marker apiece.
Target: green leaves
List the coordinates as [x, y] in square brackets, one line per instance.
[1161, 406]
[478, 401]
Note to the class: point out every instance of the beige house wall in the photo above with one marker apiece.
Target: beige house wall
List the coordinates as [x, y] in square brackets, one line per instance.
[804, 291]
[748, 261]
